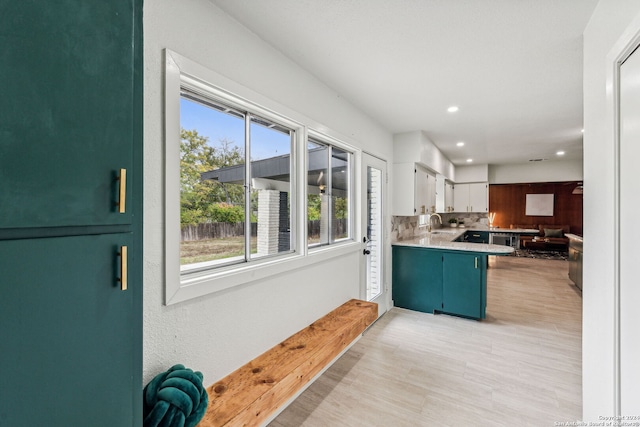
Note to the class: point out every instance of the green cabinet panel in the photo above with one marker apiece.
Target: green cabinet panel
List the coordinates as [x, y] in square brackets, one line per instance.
[71, 118]
[67, 348]
[464, 284]
[416, 279]
[67, 109]
[432, 280]
[476, 236]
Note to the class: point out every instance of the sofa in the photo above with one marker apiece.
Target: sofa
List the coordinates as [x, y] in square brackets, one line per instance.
[551, 237]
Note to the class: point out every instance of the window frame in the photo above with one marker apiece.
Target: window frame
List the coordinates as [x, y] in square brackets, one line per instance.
[331, 143]
[249, 118]
[181, 71]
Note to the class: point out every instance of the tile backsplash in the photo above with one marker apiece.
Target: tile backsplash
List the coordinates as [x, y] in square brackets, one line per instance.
[406, 227]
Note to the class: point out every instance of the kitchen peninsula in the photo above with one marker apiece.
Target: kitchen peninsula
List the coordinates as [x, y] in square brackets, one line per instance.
[439, 272]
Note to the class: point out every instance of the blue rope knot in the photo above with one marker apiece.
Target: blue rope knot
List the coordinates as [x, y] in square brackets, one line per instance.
[175, 398]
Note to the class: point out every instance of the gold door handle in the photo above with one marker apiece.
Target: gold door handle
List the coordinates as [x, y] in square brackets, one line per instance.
[123, 268]
[123, 190]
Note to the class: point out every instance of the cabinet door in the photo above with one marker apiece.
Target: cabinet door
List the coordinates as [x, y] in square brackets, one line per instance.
[476, 236]
[67, 111]
[440, 194]
[422, 196]
[461, 198]
[479, 197]
[448, 197]
[431, 193]
[404, 188]
[67, 332]
[417, 279]
[463, 285]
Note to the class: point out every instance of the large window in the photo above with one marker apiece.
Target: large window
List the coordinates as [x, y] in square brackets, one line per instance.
[236, 178]
[230, 213]
[328, 193]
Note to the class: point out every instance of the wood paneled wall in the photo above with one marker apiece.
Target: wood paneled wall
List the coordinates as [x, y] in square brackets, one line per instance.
[508, 201]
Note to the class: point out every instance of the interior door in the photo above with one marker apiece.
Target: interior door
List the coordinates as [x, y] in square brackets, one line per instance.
[374, 181]
[629, 234]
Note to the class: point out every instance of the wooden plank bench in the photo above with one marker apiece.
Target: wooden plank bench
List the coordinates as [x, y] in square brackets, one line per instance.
[250, 395]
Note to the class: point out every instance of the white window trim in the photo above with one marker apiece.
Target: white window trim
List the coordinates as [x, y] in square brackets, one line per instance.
[323, 138]
[178, 288]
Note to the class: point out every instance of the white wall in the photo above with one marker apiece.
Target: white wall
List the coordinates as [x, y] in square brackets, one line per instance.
[608, 23]
[220, 332]
[472, 173]
[551, 171]
[416, 147]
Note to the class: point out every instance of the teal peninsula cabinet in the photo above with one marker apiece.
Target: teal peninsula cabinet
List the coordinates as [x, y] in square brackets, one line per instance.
[438, 275]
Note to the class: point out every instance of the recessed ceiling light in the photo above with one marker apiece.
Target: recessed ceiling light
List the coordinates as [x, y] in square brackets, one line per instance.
[469, 160]
[560, 153]
[582, 131]
[460, 144]
[452, 109]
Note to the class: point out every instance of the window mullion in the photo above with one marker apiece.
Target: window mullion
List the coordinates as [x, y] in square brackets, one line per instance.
[330, 206]
[247, 187]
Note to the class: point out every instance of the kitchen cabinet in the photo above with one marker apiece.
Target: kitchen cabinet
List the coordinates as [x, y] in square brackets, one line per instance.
[473, 197]
[71, 213]
[476, 236]
[432, 280]
[414, 190]
[444, 195]
[464, 290]
[417, 279]
[448, 196]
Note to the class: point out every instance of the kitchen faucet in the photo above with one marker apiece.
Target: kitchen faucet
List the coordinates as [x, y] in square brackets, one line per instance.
[430, 216]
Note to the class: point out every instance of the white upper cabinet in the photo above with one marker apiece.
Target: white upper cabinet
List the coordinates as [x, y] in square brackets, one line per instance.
[473, 197]
[448, 196]
[444, 194]
[414, 190]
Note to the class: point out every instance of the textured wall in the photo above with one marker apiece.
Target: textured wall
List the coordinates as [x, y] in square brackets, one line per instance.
[219, 332]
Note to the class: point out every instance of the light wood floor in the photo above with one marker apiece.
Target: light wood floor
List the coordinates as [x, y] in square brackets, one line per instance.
[521, 366]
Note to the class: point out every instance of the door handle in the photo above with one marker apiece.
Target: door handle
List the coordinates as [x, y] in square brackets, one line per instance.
[123, 190]
[366, 252]
[123, 268]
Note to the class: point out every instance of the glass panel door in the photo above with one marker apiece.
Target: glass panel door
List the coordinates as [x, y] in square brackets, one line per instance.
[374, 171]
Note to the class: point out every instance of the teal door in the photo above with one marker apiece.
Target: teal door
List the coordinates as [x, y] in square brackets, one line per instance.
[66, 109]
[417, 279]
[463, 284]
[66, 356]
[70, 120]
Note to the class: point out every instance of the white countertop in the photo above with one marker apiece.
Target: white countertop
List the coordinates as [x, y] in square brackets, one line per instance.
[443, 239]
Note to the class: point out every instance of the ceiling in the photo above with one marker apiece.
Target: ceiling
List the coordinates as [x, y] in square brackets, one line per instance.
[513, 67]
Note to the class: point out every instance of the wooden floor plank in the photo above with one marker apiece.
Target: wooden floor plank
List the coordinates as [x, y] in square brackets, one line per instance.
[520, 366]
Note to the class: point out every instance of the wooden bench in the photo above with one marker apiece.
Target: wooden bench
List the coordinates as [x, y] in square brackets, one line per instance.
[255, 392]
